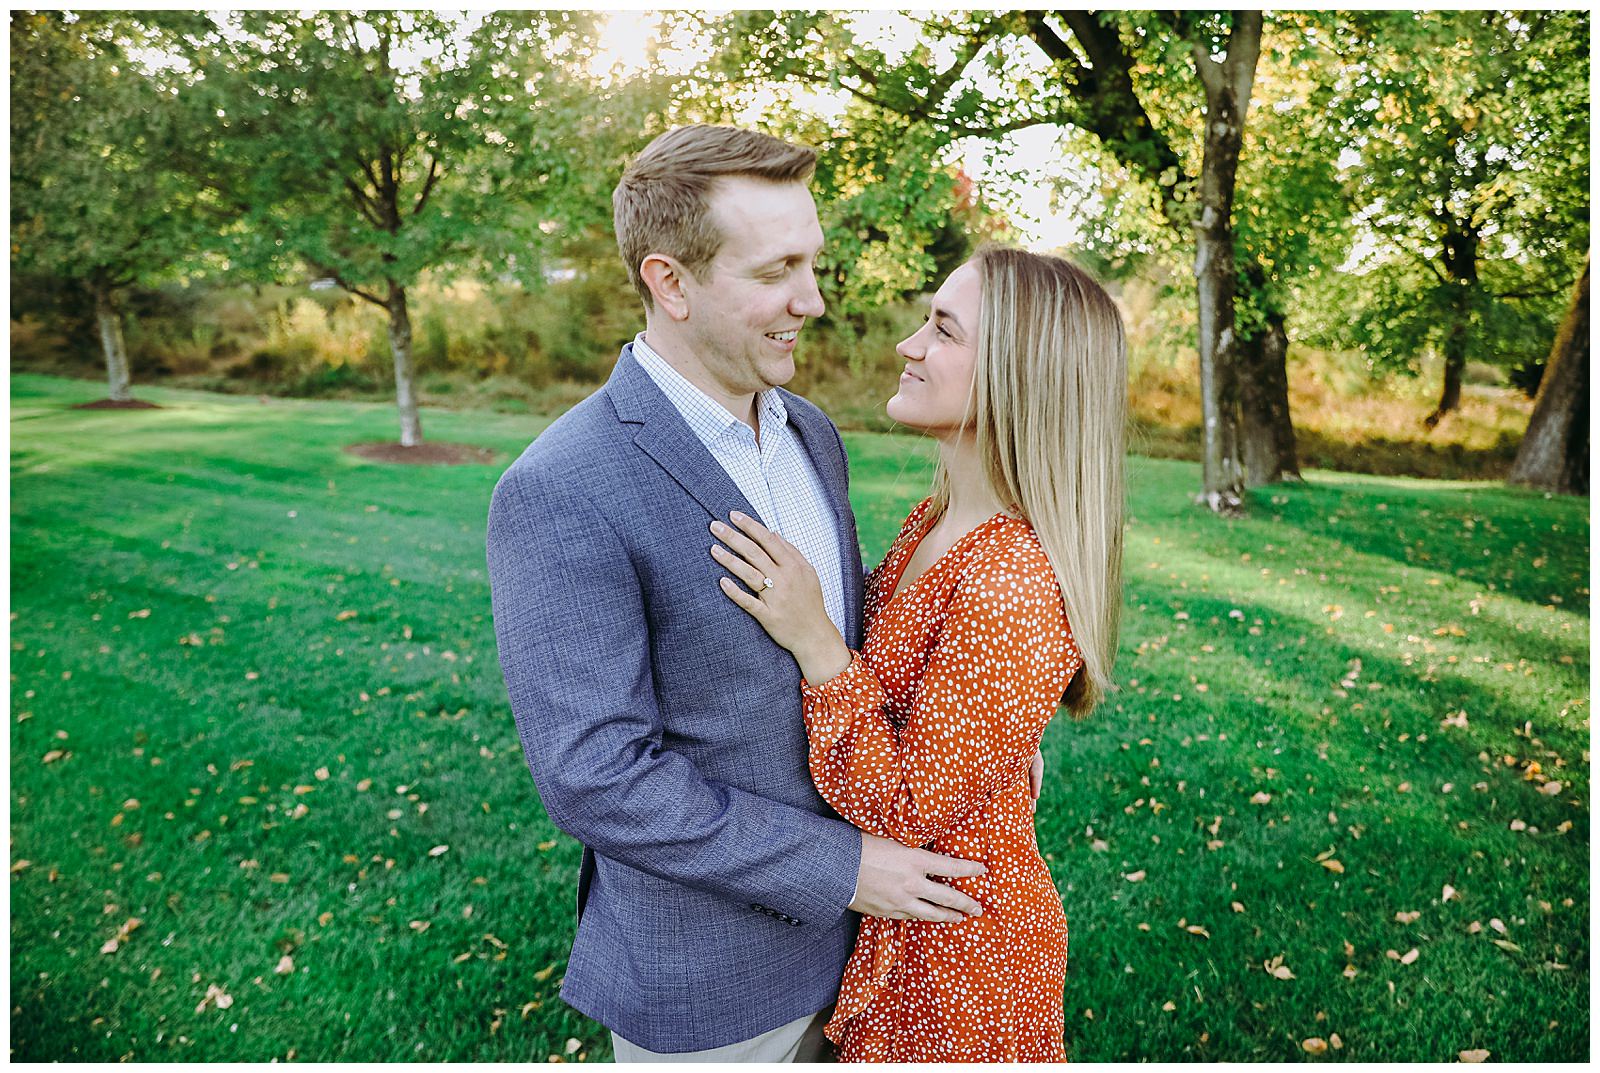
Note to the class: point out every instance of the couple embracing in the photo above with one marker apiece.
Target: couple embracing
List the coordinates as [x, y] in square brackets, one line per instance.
[806, 796]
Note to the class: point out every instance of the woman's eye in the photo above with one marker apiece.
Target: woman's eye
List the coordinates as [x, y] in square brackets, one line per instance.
[939, 329]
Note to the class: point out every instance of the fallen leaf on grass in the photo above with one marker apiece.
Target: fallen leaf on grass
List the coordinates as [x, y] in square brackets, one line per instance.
[1550, 788]
[1497, 924]
[1314, 1045]
[438, 850]
[420, 926]
[325, 919]
[1277, 968]
[546, 847]
[215, 996]
[52, 756]
[572, 1046]
[1168, 1006]
[1407, 918]
[128, 927]
[1473, 1056]
[1261, 797]
[1100, 845]
[1518, 825]
[1134, 877]
[545, 973]
[1507, 945]
[1449, 892]
[345, 616]
[20, 865]
[1237, 908]
[1335, 1042]
[1333, 865]
[285, 965]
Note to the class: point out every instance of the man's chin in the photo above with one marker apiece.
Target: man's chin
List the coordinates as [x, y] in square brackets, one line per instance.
[777, 374]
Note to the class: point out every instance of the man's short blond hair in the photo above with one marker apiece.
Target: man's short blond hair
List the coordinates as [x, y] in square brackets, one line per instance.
[662, 203]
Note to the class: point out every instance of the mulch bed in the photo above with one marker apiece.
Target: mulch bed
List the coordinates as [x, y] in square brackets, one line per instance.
[116, 404]
[424, 454]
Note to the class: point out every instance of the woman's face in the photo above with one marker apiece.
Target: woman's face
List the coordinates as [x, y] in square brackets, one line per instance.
[941, 358]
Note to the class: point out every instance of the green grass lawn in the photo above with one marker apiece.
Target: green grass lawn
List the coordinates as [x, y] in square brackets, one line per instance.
[260, 739]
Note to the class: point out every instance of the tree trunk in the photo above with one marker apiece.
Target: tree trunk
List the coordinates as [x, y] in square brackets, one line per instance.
[1227, 86]
[405, 394]
[1461, 268]
[1266, 433]
[116, 351]
[1554, 455]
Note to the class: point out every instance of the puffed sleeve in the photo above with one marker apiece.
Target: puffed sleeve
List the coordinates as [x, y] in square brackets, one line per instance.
[997, 671]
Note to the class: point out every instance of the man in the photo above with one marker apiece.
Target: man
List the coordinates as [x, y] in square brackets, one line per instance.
[660, 723]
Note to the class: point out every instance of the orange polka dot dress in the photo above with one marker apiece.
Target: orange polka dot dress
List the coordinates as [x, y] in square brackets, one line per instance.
[926, 739]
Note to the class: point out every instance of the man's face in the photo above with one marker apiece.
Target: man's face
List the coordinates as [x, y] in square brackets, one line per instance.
[746, 312]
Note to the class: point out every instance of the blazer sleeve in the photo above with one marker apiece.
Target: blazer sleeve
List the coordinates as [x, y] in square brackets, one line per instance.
[570, 621]
[994, 679]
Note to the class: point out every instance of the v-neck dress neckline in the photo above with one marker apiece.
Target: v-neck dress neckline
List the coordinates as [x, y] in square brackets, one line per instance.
[902, 555]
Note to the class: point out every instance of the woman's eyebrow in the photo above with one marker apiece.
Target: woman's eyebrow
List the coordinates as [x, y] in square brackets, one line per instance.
[940, 311]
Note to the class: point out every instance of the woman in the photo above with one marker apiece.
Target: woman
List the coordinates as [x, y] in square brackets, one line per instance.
[925, 736]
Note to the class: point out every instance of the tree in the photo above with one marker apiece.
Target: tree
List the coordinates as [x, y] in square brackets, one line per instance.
[93, 200]
[1554, 454]
[1472, 177]
[946, 82]
[374, 147]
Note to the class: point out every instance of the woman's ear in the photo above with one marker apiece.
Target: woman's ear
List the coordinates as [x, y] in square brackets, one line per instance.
[664, 277]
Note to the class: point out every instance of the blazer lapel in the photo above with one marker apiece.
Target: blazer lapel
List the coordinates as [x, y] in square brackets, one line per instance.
[668, 440]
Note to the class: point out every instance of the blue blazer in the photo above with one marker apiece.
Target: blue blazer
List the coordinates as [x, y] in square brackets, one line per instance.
[663, 729]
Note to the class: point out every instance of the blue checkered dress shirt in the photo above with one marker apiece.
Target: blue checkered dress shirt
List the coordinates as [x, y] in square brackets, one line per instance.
[775, 475]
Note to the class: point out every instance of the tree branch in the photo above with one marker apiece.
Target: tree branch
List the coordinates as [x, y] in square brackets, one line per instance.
[346, 285]
[1056, 49]
[363, 203]
[427, 186]
[1244, 51]
[966, 130]
[946, 81]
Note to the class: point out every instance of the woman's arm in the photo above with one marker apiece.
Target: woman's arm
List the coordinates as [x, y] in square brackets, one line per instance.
[998, 669]
[994, 678]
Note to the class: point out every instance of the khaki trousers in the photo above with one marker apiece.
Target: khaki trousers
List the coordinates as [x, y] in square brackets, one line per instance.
[798, 1041]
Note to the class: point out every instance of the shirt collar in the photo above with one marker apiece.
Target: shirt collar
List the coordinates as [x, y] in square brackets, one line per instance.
[704, 412]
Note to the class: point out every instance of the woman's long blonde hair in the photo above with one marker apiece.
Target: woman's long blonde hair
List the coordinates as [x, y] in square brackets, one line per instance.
[1048, 408]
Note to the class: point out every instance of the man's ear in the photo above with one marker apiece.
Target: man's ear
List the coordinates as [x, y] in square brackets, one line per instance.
[664, 277]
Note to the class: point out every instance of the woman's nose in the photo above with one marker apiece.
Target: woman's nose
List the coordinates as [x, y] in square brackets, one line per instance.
[908, 348]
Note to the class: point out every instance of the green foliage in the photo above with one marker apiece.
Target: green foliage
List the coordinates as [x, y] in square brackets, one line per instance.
[374, 147]
[94, 198]
[1472, 130]
[267, 692]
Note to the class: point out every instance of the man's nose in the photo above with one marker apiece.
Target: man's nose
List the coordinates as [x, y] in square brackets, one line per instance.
[808, 303]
